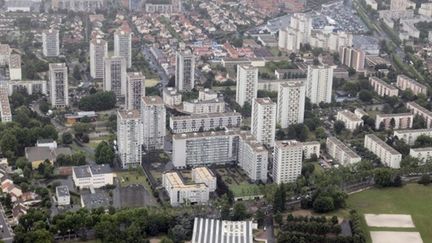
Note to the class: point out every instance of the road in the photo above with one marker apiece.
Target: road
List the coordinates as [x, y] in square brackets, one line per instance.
[164, 79]
[6, 233]
[268, 222]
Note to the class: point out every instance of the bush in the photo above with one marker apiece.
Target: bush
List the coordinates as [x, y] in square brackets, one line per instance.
[323, 204]
[425, 179]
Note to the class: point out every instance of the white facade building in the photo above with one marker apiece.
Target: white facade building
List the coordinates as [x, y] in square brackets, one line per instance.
[31, 86]
[15, 67]
[185, 71]
[291, 103]
[123, 46]
[263, 122]
[135, 90]
[115, 75]
[204, 122]
[171, 97]
[204, 106]
[383, 88]
[417, 109]
[5, 110]
[403, 82]
[319, 83]
[287, 161]
[423, 154]
[411, 135]
[340, 152]
[388, 155]
[63, 196]
[247, 84]
[311, 148]
[352, 57]
[51, 43]
[207, 94]
[252, 157]
[352, 122]
[77, 5]
[92, 176]
[129, 140]
[400, 120]
[206, 176]
[153, 116]
[98, 52]
[58, 83]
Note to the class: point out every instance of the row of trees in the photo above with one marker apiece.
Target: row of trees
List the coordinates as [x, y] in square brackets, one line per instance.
[100, 101]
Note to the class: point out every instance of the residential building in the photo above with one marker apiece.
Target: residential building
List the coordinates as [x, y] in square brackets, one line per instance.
[135, 90]
[185, 71]
[123, 45]
[395, 121]
[181, 193]
[426, 9]
[360, 113]
[409, 136]
[299, 32]
[352, 122]
[51, 43]
[204, 122]
[273, 84]
[5, 110]
[247, 84]
[208, 230]
[98, 53]
[388, 155]
[92, 176]
[153, 117]
[330, 40]
[423, 154]
[38, 155]
[340, 152]
[204, 106]
[31, 86]
[310, 149]
[352, 57]
[15, 67]
[373, 4]
[48, 143]
[319, 83]
[5, 52]
[62, 195]
[383, 88]
[206, 176]
[263, 122]
[252, 157]
[115, 75]
[403, 82]
[400, 5]
[207, 94]
[287, 161]
[77, 5]
[129, 140]
[23, 5]
[204, 148]
[417, 109]
[171, 97]
[58, 83]
[291, 103]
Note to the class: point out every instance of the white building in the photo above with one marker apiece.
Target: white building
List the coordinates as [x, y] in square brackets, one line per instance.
[340, 152]
[383, 88]
[287, 161]
[331, 41]
[98, 52]
[425, 9]
[423, 154]
[46, 143]
[15, 67]
[171, 97]
[204, 122]
[153, 116]
[352, 57]
[400, 5]
[273, 84]
[319, 83]
[31, 86]
[129, 140]
[252, 157]
[63, 196]
[247, 84]
[417, 109]
[51, 43]
[263, 122]
[204, 106]
[403, 82]
[92, 176]
[206, 176]
[185, 71]
[115, 75]
[373, 4]
[123, 45]
[388, 155]
[208, 230]
[360, 113]
[311, 148]
[77, 5]
[58, 83]
[411, 135]
[135, 90]
[352, 122]
[5, 52]
[400, 120]
[291, 103]
[5, 110]
[297, 33]
[207, 94]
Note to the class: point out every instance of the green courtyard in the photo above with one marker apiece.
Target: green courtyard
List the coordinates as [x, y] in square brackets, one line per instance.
[412, 199]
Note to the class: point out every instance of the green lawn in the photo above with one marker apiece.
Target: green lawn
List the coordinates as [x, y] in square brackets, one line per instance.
[132, 177]
[411, 199]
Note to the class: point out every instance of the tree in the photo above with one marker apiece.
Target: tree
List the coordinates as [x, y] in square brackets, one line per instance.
[100, 101]
[425, 179]
[246, 109]
[104, 154]
[279, 199]
[423, 141]
[8, 142]
[323, 204]
[259, 217]
[383, 177]
[76, 73]
[240, 212]
[22, 162]
[320, 133]
[419, 122]
[339, 126]
[278, 218]
[67, 138]
[351, 71]
[178, 233]
[365, 95]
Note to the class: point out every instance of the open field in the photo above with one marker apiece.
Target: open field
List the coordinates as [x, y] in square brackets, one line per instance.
[238, 183]
[395, 237]
[131, 177]
[151, 82]
[389, 220]
[411, 199]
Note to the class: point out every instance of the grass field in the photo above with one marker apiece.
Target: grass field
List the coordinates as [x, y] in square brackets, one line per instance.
[151, 82]
[411, 199]
[132, 177]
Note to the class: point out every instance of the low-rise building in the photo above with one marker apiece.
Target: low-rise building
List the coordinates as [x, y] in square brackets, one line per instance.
[423, 154]
[204, 106]
[171, 97]
[403, 82]
[360, 113]
[409, 136]
[351, 121]
[383, 88]
[417, 109]
[207, 94]
[340, 152]
[215, 231]
[37, 155]
[204, 122]
[92, 176]
[63, 196]
[388, 155]
[395, 121]
[310, 149]
[49, 143]
[206, 176]
[31, 86]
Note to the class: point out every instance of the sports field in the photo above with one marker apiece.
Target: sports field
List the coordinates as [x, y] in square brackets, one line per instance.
[410, 199]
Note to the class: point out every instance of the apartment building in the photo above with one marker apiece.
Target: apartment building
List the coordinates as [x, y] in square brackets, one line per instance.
[185, 71]
[311, 148]
[204, 122]
[115, 75]
[401, 5]
[58, 83]
[287, 161]
[5, 52]
[204, 106]
[206, 176]
[298, 32]
[92, 176]
[423, 154]
[51, 43]
[247, 84]
[15, 67]
[98, 53]
[352, 57]
[319, 83]
[351, 121]
[153, 117]
[360, 113]
[400, 121]
[273, 84]
[207, 94]
[77, 5]
[383, 88]
[388, 155]
[31, 86]
[5, 110]
[171, 97]
[417, 109]
[409, 136]
[340, 152]
[135, 82]
[123, 45]
[129, 140]
[403, 82]
[263, 122]
[252, 157]
[291, 103]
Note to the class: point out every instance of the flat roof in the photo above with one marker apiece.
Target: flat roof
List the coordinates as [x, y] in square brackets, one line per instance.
[203, 173]
[395, 115]
[62, 191]
[350, 115]
[95, 200]
[152, 100]
[264, 101]
[130, 114]
[177, 182]
[426, 149]
[100, 169]
[135, 75]
[205, 134]
[207, 115]
[207, 230]
[287, 143]
[382, 144]
[423, 130]
[250, 139]
[343, 147]
[82, 171]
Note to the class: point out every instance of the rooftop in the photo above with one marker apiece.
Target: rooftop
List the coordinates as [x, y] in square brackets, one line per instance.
[247, 137]
[215, 231]
[131, 114]
[394, 115]
[62, 191]
[203, 173]
[264, 101]
[15, 61]
[410, 131]
[135, 75]
[152, 100]
[176, 182]
[287, 143]
[205, 134]
[427, 149]
[203, 116]
[350, 116]
[95, 200]
[343, 147]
